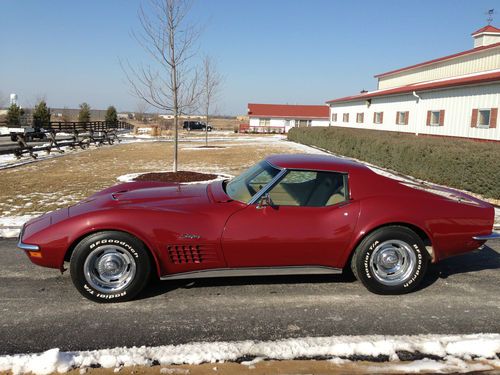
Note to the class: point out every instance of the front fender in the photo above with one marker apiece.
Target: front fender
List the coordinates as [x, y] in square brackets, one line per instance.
[157, 229]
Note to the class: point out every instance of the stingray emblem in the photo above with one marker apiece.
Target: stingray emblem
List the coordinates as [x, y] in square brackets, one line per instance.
[189, 236]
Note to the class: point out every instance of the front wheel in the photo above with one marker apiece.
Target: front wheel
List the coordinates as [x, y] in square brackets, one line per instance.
[110, 267]
[391, 260]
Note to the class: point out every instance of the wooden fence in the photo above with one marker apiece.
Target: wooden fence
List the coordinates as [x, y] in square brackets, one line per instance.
[55, 135]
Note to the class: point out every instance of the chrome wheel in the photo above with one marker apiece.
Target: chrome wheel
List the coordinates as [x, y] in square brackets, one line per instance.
[109, 268]
[392, 262]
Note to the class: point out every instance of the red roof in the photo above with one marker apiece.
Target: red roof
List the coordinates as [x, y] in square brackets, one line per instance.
[286, 110]
[433, 85]
[486, 29]
[473, 50]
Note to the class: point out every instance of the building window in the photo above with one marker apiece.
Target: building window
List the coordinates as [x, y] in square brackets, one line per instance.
[265, 122]
[360, 118]
[402, 118]
[484, 118]
[378, 117]
[345, 117]
[334, 117]
[302, 123]
[435, 118]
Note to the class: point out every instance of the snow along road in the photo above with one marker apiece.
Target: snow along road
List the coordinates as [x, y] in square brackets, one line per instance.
[40, 309]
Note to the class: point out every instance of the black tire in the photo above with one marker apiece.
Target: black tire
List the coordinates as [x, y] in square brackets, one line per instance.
[110, 267]
[377, 252]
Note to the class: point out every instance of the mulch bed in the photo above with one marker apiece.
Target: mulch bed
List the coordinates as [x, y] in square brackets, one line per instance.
[180, 176]
[210, 147]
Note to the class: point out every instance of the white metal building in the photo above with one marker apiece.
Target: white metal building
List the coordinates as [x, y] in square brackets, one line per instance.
[456, 95]
[279, 118]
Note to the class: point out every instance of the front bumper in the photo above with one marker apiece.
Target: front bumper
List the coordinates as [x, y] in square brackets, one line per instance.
[487, 237]
[25, 246]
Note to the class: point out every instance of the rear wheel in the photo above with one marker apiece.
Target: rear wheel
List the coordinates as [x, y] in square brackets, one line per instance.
[391, 260]
[110, 267]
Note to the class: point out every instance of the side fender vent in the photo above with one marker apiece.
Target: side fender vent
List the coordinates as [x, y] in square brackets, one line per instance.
[192, 253]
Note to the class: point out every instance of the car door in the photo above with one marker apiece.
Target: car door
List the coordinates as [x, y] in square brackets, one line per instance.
[309, 222]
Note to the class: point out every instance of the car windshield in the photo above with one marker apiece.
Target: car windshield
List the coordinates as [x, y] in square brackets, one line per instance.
[243, 187]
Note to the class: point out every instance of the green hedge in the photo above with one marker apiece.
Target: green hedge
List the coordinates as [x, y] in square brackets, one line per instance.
[460, 163]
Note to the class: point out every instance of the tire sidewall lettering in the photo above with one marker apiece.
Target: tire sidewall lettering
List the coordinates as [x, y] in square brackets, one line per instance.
[418, 267]
[121, 243]
[367, 257]
[97, 294]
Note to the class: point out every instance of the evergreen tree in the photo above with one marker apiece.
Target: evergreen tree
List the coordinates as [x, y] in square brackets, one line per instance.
[14, 115]
[41, 115]
[84, 115]
[111, 115]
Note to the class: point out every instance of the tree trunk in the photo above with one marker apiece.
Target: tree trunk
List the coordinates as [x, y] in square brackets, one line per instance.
[175, 93]
[176, 118]
[206, 128]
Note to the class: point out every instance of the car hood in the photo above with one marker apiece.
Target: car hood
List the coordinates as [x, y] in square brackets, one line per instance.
[170, 195]
[145, 195]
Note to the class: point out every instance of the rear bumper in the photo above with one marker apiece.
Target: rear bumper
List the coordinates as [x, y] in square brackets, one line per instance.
[487, 237]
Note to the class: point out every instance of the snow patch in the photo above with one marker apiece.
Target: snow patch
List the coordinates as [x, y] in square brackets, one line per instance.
[41, 364]
[460, 353]
[6, 130]
[10, 226]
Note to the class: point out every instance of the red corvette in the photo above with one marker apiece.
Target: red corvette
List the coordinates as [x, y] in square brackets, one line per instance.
[288, 214]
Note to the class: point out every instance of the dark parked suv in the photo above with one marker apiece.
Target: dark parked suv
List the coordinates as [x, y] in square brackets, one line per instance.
[195, 125]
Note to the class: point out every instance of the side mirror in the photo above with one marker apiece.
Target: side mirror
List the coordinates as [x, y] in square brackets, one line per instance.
[264, 201]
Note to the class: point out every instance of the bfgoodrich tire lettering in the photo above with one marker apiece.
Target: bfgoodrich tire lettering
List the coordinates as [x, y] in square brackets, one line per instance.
[110, 267]
[390, 260]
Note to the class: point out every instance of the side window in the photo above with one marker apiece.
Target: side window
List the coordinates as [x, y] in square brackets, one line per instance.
[311, 189]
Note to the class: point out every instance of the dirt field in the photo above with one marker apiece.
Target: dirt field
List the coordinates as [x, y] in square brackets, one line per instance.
[50, 184]
[299, 367]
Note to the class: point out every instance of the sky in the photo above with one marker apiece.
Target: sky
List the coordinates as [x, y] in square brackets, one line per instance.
[268, 51]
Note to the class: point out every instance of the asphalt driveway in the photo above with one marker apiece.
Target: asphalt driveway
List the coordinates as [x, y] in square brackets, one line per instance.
[40, 309]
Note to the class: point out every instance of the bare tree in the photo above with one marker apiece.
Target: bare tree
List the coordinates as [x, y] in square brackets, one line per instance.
[35, 99]
[212, 82]
[66, 115]
[141, 109]
[168, 82]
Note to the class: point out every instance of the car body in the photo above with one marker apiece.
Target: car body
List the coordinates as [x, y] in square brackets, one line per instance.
[288, 214]
[196, 125]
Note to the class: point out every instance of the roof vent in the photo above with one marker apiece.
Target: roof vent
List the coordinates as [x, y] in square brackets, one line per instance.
[486, 35]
